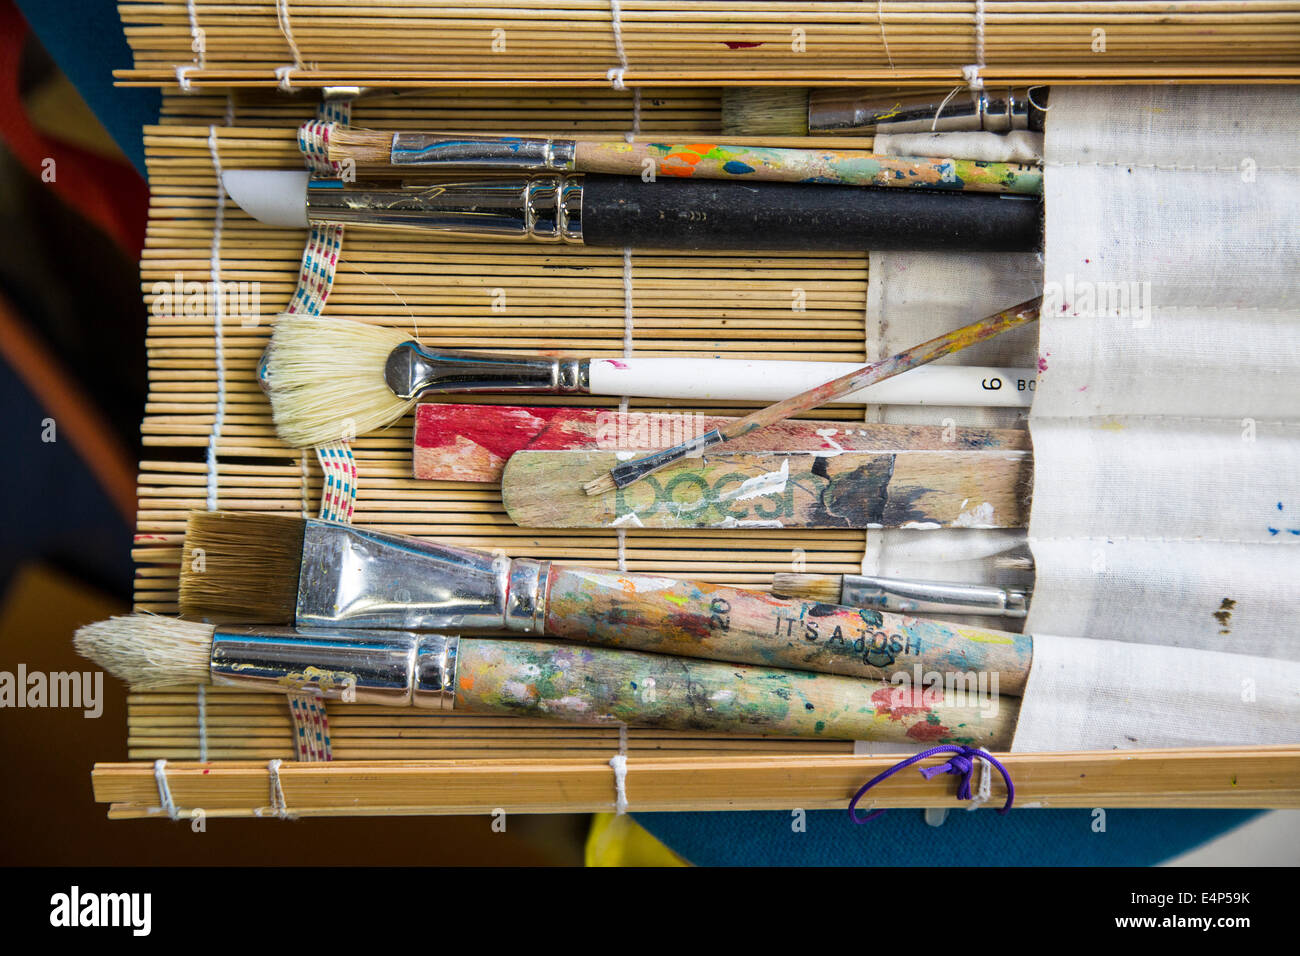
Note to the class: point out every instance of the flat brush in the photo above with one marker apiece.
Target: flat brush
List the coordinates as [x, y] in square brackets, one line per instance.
[793, 111]
[625, 473]
[622, 211]
[528, 678]
[311, 573]
[335, 378]
[902, 595]
[435, 152]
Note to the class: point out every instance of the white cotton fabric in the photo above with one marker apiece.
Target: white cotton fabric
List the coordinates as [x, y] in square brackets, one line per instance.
[1021, 146]
[1166, 424]
[1165, 526]
[912, 297]
[1166, 428]
[1110, 695]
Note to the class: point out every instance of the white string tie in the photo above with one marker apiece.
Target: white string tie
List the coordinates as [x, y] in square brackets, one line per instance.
[971, 72]
[203, 723]
[198, 43]
[164, 789]
[218, 317]
[619, 764]
[286, 30]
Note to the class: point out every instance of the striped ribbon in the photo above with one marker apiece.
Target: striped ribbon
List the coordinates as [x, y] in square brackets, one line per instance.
[320, 257]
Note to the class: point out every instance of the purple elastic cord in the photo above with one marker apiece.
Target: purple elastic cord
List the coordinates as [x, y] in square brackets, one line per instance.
[962, 762]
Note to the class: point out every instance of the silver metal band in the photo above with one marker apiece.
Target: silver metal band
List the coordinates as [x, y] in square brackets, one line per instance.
[391, 668]
[358, 578]
[413, 369]
[938, 597]
[545, 208]
[489, 153]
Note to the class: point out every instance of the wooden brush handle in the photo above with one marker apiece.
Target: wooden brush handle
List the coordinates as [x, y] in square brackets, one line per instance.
[846, 167]
[620, 211]
[694, 619]
[599, 686]
[935, 348]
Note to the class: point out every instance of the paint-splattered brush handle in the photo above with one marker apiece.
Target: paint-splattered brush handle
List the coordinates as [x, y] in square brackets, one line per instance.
[601, 686]
[836, 167]
[694, 619]
[433, 152]
[981, 330]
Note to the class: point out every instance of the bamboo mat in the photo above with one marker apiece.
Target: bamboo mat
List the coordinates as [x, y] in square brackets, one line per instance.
[557, 298]
[421, 42]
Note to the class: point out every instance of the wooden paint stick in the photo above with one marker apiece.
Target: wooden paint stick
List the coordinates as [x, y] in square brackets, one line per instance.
[904, 489]
[466, 442]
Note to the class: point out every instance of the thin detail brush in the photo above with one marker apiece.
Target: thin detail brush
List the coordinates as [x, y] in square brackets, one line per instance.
[625, 473]
[441, 152]
[903, 596]
[759, 111]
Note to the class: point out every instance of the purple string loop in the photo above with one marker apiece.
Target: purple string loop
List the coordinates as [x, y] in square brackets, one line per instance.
[961, 762]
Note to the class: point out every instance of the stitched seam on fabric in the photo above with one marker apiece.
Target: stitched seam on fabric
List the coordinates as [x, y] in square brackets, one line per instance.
[1171, 167]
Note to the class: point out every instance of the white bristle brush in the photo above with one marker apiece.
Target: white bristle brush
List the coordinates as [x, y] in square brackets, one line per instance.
[331, 379]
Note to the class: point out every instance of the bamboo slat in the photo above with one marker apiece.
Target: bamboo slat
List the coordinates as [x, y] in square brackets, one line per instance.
[692, 42]
[1227, 777]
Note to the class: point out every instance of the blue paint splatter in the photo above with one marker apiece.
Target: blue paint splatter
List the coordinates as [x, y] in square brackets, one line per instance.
[737, 168]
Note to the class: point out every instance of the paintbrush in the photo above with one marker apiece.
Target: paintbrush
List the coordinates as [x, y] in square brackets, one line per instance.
[625, 473]
[623, 211]
[903, 596]
[529, 678]
[792, 111]
[442, 152]
[310, 573]
[335, 378]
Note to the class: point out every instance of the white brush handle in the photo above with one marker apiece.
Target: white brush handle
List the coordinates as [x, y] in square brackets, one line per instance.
[771, 381]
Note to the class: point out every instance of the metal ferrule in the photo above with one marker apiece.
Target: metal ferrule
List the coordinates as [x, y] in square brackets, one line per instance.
[547, 208]
[412, 369]
[924, 597]
[391, 668]
[351, 577]
[489, 153]
[991, 110]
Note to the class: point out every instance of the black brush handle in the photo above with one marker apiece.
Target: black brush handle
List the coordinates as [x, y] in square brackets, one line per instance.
[689, 214]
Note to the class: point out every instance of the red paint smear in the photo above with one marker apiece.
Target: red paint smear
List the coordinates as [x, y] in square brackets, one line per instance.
[926, 731]
[740, 44]
[1042, 364]
[501, 429]
[616, 363]
[898, 703]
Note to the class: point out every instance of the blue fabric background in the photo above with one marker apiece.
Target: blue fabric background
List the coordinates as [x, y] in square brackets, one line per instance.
[903, 838]
[85, 38]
